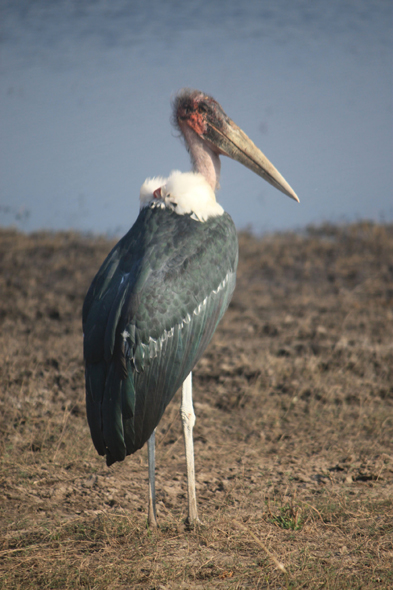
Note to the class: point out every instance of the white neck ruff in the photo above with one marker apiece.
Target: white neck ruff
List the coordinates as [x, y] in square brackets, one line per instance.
[182, 192]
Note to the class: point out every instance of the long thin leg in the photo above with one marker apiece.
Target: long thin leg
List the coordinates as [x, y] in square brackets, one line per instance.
[151, 443]
[188, 420]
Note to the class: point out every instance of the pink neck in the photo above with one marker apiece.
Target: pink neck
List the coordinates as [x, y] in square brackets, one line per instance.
[204, 159]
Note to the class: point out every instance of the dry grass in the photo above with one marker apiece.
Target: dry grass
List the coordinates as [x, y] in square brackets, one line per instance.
[293, 438]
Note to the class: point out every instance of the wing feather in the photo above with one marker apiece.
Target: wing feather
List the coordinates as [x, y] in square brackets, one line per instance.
[148, 317]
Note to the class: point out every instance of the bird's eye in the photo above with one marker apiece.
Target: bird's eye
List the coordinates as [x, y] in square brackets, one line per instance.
[202, 107]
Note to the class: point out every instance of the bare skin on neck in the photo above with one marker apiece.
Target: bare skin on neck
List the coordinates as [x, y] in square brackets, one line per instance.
[204, 159]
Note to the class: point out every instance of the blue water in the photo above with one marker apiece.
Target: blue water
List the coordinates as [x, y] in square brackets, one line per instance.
[85, 106]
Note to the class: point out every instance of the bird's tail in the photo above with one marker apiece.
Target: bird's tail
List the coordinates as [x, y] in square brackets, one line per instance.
[110, 407]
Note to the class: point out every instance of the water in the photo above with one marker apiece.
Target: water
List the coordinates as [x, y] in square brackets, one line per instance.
[85, 106]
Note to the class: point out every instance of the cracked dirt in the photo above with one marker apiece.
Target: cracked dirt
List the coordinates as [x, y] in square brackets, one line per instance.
[293, 438]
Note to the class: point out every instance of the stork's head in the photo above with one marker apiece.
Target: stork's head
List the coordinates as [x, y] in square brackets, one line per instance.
[198, 115]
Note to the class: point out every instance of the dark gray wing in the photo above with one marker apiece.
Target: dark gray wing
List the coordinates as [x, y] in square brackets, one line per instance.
[148, 317]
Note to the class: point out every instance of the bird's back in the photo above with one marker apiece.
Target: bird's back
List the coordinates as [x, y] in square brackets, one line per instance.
[148, 317]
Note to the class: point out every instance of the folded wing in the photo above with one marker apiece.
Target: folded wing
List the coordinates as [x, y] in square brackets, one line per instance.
[148, 317]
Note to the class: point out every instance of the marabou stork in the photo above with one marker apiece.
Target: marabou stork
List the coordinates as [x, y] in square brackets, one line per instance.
[156, 301]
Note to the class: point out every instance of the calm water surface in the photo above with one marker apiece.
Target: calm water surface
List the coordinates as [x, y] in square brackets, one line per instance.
[85, 106]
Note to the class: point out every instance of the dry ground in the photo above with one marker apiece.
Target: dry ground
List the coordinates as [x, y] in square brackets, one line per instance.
[294, 432]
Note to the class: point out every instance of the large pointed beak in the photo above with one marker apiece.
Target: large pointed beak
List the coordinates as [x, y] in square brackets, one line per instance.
[231, 141]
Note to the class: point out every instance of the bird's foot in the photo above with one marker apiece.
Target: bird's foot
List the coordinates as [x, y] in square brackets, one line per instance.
[152, 525]
[192, 523]
[152, 520]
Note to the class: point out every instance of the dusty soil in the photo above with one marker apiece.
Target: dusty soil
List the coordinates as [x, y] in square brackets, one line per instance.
[293, 440]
